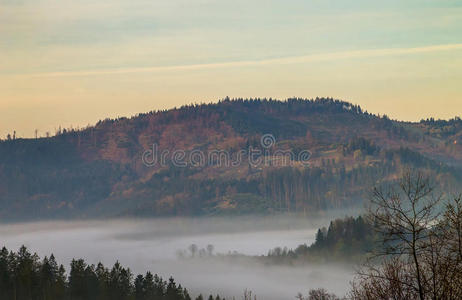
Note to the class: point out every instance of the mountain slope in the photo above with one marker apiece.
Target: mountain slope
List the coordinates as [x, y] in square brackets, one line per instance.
[100, 171]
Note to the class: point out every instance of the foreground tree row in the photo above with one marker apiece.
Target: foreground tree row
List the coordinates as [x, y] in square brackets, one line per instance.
[23, 276]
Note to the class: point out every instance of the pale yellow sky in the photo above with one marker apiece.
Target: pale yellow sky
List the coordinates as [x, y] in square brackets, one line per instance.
[67, 64]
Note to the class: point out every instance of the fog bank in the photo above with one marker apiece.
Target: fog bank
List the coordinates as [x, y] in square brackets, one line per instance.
[152, 245]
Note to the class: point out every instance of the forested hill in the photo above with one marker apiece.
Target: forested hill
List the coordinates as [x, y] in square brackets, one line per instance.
[337, 152]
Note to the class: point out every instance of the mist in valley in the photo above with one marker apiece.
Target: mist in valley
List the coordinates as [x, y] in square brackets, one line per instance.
[154, 244]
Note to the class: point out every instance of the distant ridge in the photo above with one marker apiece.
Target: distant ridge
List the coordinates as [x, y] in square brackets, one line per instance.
[99, 171]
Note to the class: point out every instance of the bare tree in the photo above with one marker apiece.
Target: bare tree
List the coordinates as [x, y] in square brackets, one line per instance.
[403, 217]
[317, 294]
[193, 249]
[248, 295]
[210, 249]
[415, 258]
[453, 226]
[321, 294]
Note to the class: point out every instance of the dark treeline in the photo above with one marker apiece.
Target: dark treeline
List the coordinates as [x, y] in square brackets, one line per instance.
[24, 276]
[278, 190]
[285, 189]
[182, 191]
[456, 121]
[442, 128]
[345, 239]
[230, 109]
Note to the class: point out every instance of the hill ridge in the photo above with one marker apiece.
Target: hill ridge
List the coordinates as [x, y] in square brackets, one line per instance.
[99, 171]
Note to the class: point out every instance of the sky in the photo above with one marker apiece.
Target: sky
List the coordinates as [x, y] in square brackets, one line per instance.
[71, 63]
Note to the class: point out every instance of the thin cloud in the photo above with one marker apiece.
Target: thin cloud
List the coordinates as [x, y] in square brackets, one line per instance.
[264, 62]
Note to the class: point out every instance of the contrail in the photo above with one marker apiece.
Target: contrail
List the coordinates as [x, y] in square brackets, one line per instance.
[264, 62]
